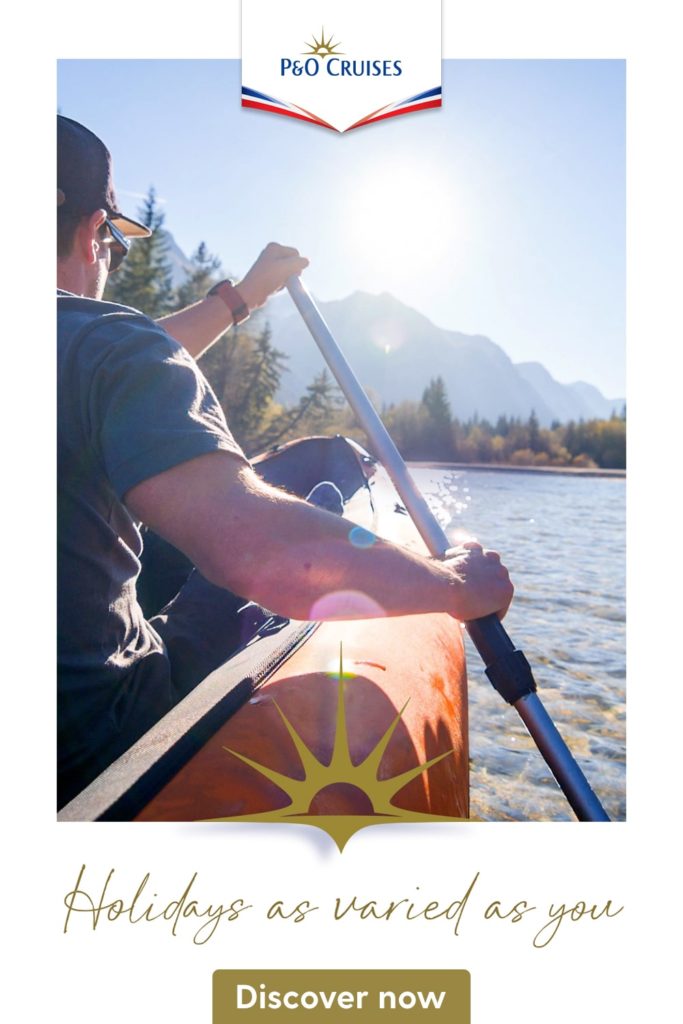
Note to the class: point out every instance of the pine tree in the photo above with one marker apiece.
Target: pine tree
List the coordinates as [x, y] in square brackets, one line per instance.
[206, 270]
[145, 278]
[316, 412]
[502, 426]
[436, 404]
[244, 368]
[534, 432]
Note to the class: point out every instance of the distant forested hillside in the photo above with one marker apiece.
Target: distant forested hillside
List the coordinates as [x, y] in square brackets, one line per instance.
[247, 369]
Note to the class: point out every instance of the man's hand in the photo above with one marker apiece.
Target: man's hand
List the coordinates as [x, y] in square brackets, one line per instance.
[481, 585]
[269, 273]
[199, 326]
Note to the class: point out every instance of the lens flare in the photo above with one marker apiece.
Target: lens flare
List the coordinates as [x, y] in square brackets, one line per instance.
[346, 604]
[361, 538]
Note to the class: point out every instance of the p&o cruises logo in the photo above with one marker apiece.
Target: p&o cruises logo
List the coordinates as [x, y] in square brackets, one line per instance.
[324, 55]
[352, 71]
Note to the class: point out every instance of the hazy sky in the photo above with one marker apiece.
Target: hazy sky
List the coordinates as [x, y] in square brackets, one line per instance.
[501, 214]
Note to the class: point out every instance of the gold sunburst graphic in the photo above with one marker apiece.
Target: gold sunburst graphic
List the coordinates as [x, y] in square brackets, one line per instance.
[341, 770]
[322, 47]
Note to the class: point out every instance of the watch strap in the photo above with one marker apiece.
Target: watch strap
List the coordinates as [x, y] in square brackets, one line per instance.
[226, 291]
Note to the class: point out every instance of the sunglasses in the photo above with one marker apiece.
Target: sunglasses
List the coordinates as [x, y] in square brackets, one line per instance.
[118, 244]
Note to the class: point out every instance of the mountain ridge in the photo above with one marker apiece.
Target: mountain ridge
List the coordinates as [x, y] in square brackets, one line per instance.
[395, 350]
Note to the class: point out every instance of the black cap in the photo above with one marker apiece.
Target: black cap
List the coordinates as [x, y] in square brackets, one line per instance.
[84, 178]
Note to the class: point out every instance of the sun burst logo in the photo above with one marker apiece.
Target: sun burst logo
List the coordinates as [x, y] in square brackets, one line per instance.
[361, 780]
[322, 47]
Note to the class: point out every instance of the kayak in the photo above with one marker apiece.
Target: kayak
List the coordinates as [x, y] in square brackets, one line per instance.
[304, 710]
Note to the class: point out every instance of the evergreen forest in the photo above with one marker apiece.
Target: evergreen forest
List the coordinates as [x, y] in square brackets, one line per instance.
[245, 369]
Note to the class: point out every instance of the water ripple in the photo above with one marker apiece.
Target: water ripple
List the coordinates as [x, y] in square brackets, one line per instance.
[563, 540]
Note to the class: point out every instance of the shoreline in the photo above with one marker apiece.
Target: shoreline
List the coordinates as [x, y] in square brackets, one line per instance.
[497, 467]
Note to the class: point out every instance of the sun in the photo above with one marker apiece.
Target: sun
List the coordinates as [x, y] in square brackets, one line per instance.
[404, 220]
[341, 770]
[322, 47]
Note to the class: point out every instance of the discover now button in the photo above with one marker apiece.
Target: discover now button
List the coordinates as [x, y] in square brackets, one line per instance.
[258, 996]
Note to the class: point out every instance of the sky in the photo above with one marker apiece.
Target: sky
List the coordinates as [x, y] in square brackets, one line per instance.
[501, 214]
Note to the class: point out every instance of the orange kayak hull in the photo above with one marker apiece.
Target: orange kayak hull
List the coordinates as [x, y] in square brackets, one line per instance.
[415, 663]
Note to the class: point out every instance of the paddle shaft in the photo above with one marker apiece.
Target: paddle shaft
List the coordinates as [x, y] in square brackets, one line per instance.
[506, 666]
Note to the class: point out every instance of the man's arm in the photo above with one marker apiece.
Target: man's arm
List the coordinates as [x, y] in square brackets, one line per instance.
[297, 559]
[197, 327]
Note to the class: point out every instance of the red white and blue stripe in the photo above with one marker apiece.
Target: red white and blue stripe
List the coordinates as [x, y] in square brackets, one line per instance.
[423, 101]
[260, 101]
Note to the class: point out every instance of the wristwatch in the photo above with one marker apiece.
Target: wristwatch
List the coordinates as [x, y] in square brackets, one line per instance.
[226, 291]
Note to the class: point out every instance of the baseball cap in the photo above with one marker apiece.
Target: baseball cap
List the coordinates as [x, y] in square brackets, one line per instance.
[84, 177]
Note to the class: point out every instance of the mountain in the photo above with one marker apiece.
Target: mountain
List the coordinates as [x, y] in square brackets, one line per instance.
[181, 266]
[596, 401]
[569, 401]
[395, 351]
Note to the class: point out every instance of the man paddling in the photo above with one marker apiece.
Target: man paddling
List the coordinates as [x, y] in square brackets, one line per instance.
[142, 439]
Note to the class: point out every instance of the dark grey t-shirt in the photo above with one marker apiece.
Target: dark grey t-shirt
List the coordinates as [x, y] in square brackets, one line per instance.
[131, 403]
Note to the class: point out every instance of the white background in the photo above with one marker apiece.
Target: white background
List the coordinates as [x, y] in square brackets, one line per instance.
[597, 972]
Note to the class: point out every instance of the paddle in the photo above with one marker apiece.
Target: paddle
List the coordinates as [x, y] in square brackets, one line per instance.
[506, 667]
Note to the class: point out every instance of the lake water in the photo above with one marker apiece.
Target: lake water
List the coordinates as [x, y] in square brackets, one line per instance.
[563, 541]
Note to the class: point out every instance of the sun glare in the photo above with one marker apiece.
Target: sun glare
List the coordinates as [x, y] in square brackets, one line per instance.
[404, 220]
